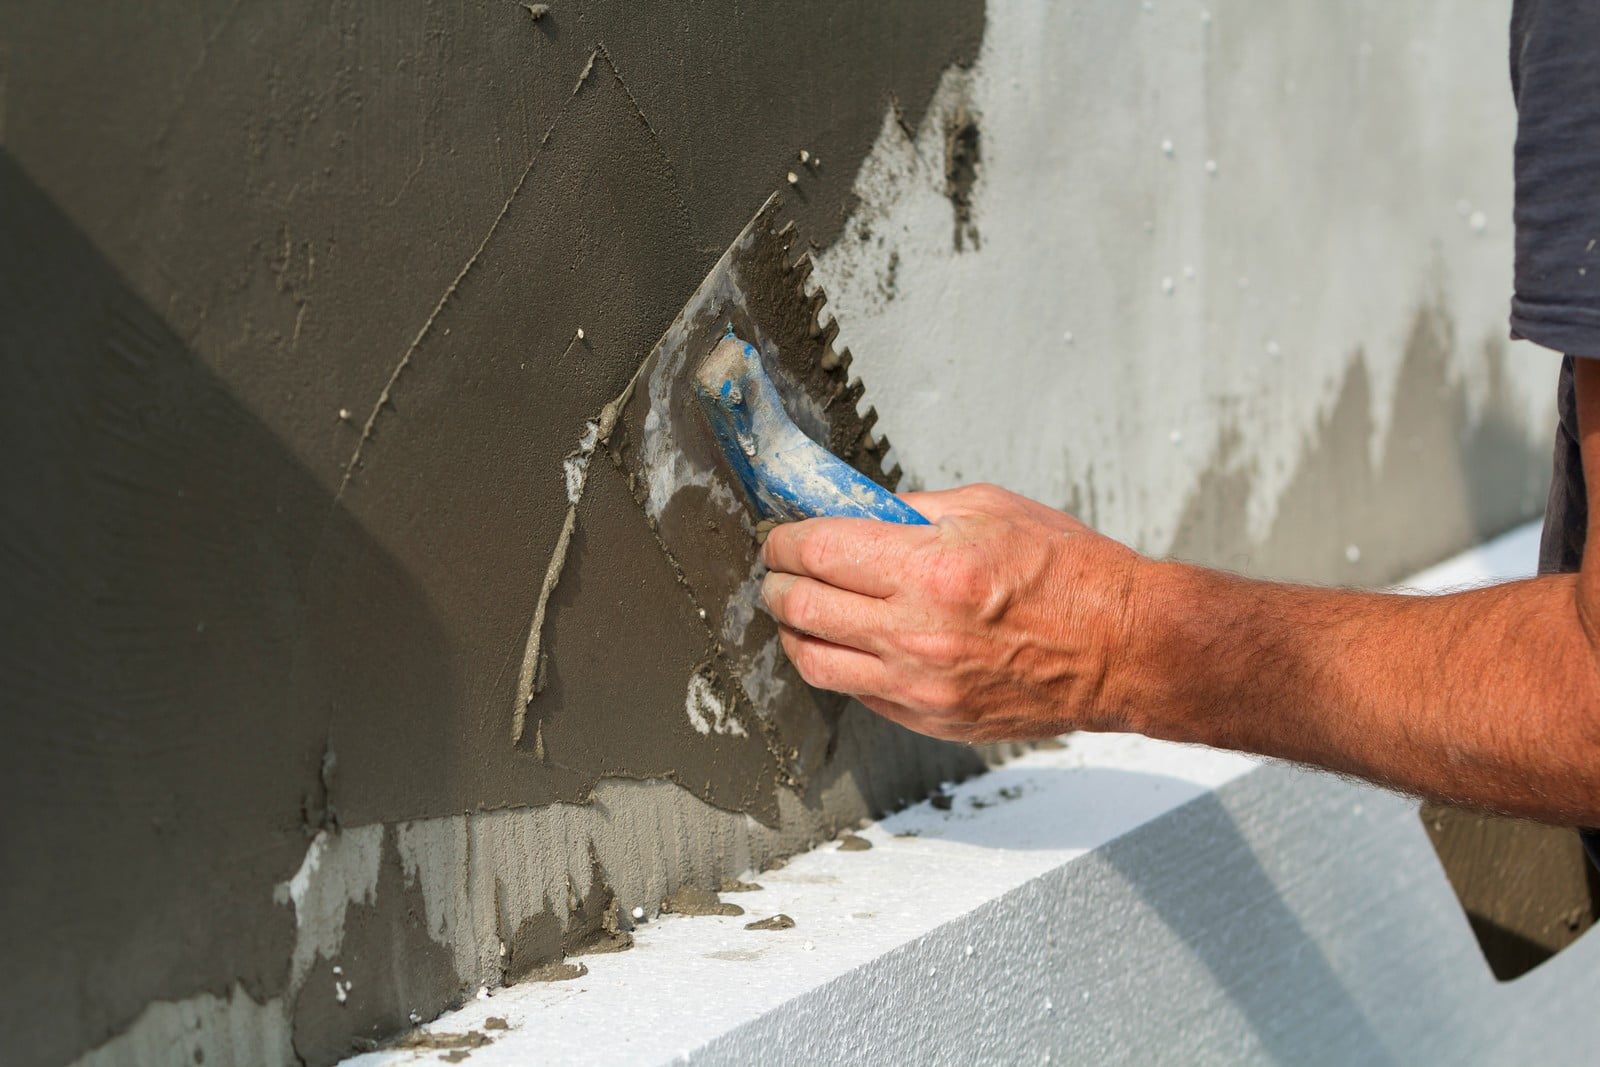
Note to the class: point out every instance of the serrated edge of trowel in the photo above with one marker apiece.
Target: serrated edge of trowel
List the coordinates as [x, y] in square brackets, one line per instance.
[835, 361]
[852, 439]
[832, 360]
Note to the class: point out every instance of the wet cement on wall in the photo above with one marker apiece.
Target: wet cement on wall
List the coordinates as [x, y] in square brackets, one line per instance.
[292, 303]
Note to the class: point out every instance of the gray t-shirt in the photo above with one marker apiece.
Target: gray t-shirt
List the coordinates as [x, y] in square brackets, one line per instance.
[1555, 80]
[1566, 515]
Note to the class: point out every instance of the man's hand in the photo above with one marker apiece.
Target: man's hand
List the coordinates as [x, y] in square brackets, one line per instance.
[1004, 620]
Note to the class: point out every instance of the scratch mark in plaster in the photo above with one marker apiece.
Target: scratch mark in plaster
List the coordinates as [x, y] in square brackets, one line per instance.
[576, 465]
[575, 468]
[182, 99]
[416, 168]
[900, 119]
[385, 396]
[638, 111]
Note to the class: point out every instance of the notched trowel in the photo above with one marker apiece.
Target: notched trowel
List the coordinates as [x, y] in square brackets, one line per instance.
[742, 415]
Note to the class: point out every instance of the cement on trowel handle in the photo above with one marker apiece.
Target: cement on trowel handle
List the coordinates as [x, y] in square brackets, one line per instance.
[784, 474]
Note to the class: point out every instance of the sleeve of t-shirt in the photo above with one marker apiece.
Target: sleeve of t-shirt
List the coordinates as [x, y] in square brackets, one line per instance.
[1555, 79]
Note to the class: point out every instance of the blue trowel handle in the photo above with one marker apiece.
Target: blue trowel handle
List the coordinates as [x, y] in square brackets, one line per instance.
[785, 474]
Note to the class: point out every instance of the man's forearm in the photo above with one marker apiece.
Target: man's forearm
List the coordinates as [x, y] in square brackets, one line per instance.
[1488, 698]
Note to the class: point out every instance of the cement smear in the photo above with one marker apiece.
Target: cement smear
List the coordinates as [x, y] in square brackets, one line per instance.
[303, 311]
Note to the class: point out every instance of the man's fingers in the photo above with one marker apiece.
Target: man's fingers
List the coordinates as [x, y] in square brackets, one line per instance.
[862, 555]
[829, 666]
[825, 611]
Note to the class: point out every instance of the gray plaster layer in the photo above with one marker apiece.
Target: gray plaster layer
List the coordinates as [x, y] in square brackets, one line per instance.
[1288, 917]
[439, 907]
[292, 301]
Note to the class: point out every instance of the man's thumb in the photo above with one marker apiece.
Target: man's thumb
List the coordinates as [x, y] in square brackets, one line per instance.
[936, 504]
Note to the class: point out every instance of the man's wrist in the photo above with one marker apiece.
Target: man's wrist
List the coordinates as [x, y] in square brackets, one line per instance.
[1174, 619]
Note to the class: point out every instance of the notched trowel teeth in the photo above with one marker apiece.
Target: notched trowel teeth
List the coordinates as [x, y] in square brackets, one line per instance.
[760, 290]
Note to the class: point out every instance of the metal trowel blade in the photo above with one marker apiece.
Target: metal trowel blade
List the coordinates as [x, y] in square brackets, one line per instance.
[656, 433]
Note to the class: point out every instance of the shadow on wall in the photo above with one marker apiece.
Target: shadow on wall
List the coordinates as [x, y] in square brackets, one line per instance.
[213, 656]
[210, 658]
[167, 660]
[1282, 985]
[1446, 479]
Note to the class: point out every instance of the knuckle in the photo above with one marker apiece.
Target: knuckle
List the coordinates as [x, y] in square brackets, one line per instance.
[936, 649]
[938, 695]
[816, 548]
[800, 607]
[802, 656]
[957, 578]
[988, 492]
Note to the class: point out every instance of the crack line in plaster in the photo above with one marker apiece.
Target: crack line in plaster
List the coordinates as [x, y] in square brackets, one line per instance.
[384, 396]
[184, 90]
[575, 464]
[655, 138]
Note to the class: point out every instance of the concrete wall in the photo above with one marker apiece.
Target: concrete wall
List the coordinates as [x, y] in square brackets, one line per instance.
[291, 297]
[1235, 287]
